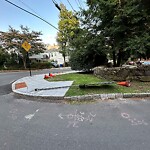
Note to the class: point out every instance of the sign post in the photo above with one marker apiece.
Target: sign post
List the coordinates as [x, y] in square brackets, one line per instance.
[27, 47]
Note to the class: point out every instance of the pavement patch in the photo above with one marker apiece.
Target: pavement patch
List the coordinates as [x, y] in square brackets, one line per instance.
[20, 85]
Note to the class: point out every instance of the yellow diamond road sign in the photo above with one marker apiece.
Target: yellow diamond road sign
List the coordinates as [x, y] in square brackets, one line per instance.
[26, 46]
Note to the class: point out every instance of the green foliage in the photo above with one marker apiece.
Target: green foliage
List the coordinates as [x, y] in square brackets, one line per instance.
[3, 57]
[88, 51]
[41, 65]
[13, 39]
[114, 27]
[67, 25]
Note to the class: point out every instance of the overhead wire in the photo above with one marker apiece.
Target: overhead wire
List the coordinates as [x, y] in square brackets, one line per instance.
[71, 6]
[82, 4]
[56, 5]
[77, 4]
[28, 7]
[60, 1]
[31, 14]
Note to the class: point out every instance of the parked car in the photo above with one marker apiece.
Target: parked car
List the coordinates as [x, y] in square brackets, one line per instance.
[54, 64]
[145, 63]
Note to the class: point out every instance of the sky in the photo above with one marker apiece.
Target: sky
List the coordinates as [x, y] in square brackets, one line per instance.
[12, 16]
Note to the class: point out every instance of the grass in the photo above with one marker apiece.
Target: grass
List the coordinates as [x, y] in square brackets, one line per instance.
[78, 78]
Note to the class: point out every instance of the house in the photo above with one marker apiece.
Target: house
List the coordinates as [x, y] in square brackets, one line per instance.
[52, 53]
[41, 57]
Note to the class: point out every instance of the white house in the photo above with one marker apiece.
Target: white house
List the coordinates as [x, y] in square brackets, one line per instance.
[41, 57]
[55, 54]
[50, 54]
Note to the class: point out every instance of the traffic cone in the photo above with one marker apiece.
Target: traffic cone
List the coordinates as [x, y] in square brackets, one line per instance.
[46, 76]
[51, 75]
[124, 83]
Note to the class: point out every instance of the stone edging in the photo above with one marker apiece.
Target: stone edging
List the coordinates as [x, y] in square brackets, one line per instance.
[87, 97]
[108, 96]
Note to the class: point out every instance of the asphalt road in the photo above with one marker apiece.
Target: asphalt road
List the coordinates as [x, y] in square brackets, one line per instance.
[105, 125]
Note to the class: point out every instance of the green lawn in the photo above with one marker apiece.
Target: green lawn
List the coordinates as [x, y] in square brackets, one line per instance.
[78, 78]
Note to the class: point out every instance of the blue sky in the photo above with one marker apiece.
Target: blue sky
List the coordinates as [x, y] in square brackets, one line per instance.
[15, 17]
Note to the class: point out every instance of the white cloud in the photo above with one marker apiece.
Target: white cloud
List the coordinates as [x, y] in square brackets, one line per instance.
[49, 39]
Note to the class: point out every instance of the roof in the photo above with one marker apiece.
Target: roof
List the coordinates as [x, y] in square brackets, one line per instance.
[50, 47]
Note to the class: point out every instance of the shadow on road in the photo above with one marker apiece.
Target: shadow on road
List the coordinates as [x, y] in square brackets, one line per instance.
[5, 89]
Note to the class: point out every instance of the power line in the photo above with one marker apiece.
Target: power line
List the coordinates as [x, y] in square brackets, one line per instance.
[28, 7]
[32, 14]
[77, 3]
[82, 4]
[71, 6]
[56, 5]
[60, 1]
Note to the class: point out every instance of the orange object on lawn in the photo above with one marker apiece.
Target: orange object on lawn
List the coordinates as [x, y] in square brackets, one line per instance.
[51, 75]
[124, 83]
[46, 77]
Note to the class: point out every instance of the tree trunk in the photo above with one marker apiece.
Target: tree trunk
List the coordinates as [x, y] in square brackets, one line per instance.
[114, 59]
[64, 60]
[24, 62]
[119, 58]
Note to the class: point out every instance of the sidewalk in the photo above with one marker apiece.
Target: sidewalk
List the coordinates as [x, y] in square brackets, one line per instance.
[27, 86]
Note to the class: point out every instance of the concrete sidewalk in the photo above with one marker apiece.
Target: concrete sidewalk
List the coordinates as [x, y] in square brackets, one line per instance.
[27, 86]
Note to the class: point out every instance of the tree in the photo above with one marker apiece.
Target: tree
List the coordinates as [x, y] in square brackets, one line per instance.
[87, 51]
[3, 57]
[13, 40]
[67, 25]
[121, 24]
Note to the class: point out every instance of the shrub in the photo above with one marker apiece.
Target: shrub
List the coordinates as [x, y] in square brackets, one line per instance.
[40, 65]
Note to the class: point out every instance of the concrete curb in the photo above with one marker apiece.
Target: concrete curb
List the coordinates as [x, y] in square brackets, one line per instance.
[87, 97]
[107, 96]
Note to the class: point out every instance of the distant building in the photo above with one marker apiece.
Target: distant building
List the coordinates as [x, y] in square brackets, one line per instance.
[50, 47]
[55, 54]
[51, 53]
[41, 57]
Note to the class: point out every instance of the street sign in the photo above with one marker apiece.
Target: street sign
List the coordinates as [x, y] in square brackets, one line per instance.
[26, 46]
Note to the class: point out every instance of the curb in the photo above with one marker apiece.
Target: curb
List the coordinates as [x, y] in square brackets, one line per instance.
[107, 96]
[86, 97]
